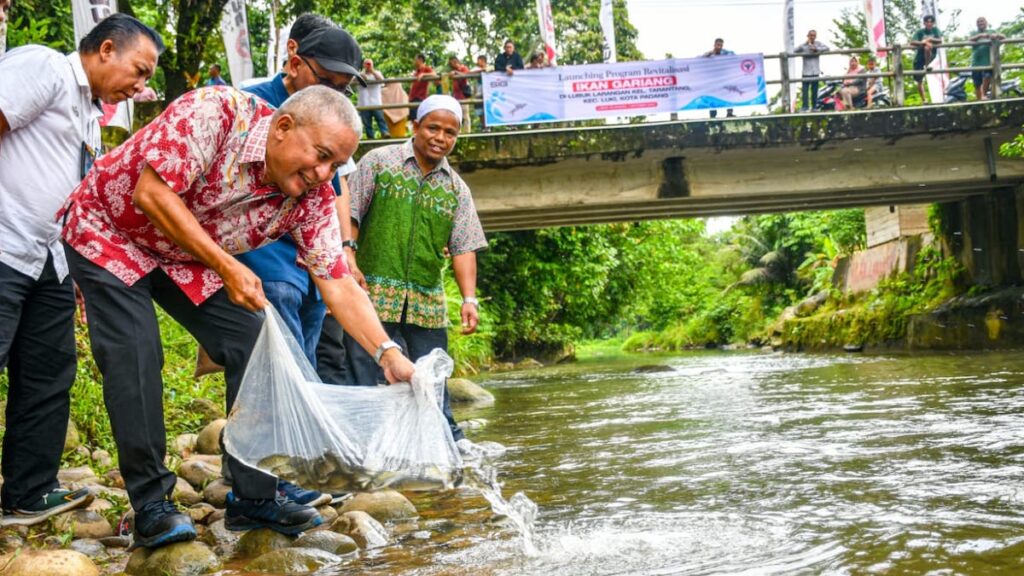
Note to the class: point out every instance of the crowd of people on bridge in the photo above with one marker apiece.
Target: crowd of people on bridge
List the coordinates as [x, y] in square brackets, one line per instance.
[227, 202]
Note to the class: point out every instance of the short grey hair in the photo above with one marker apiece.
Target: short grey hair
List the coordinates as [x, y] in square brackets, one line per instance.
[315, 103]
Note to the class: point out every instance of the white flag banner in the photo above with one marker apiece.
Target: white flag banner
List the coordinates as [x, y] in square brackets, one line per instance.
[547, 30]
[272, 39]
[235, 31]
[607, 19]
[936, 81]
[789, 38]
[86, 14]
[874, 16]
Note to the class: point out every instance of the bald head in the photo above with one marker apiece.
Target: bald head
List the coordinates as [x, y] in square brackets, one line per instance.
[319, 103]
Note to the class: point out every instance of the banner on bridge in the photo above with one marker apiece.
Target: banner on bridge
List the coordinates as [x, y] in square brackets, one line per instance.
[624, 89]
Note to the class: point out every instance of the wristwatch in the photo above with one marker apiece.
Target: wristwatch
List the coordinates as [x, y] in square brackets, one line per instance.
[384, 347]
[350, 244]
[471, 300]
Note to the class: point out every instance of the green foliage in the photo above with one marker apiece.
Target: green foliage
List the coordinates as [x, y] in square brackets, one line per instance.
[41, 22]
[902, 20]
[473, 351]
[883, 314]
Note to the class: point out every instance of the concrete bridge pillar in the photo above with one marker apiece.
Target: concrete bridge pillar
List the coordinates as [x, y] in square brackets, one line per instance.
[986, 234]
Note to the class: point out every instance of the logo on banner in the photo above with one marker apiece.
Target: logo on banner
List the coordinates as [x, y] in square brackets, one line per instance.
[748, 66]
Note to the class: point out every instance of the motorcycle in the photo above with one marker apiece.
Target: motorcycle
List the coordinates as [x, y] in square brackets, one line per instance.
[828, 97]
[956, 91]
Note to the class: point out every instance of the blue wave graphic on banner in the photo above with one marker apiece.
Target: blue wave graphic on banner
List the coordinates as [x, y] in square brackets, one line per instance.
[705, 102]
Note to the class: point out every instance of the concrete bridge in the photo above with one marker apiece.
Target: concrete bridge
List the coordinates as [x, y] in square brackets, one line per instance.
[780, 163]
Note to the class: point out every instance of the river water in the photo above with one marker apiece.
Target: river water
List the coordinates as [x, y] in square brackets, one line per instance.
[742, 463]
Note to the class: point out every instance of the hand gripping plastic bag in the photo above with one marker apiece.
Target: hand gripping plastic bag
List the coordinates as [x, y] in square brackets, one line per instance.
[340, 438]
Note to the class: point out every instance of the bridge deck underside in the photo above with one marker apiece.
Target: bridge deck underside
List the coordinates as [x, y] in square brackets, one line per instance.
[680, 182]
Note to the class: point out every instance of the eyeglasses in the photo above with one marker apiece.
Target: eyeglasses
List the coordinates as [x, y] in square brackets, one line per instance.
[324, 81]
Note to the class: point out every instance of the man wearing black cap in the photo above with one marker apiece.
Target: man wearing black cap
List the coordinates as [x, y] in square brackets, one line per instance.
[329, 56]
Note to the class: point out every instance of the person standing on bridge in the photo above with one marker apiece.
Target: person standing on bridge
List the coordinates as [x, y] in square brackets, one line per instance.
[408, 208]
[719, 50]
[509, 60]
[811, 69]
[926, 40]
[981, 55]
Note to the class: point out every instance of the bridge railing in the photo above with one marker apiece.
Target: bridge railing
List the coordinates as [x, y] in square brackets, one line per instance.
[897, 72]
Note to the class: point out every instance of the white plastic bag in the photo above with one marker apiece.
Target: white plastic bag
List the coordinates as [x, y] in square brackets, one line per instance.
[340, 438]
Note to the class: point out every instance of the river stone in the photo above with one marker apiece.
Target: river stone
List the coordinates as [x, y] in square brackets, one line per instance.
[207, 409]
[361, 527]
[293, 561]
[116, 542]
[84, 524]
[327, 541]
[383, 506]
[198, 472]
[200, 512]
[71, 438]
[99, 505]
[184, 493]
[216, 493]
[209, 438]
[114, 479]
[10, 541]
[76, 474]
[102, 458]
[179, 559]
[652, 369]
[184, 444]
[328, 513]
[528, 364]
[473, 424]
[260, 541]
[89, 547]
[48, 563]
[218, 537]
[464, 391]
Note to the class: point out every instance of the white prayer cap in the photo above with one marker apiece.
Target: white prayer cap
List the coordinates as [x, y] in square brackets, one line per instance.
[439, 102]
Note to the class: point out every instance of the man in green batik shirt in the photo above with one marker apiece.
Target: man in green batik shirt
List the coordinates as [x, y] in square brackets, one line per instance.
[410, 210]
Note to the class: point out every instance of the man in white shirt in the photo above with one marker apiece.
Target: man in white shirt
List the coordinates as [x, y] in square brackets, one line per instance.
[369, 95]
[49, 136]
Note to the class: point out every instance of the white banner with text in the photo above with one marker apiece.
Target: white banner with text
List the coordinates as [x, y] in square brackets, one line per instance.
[595, 91]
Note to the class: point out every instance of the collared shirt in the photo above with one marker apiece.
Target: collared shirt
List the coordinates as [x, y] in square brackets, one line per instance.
[276, 262]
[407, 219]
[46, 99]
[812, 64]
[209, 146]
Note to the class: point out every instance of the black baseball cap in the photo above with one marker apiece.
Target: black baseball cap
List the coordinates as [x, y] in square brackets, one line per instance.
[334, 49]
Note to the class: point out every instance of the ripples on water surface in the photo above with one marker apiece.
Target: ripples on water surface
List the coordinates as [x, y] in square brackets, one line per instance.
[744, 464]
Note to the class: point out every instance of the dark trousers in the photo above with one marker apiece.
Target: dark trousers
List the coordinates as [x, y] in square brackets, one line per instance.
[417, 342]
[126, 344]
[371, 116]
[810, 92]
[331, 356]
[37, 344]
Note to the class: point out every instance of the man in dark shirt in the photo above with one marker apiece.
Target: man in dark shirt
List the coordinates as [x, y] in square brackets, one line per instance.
[926, 40]
[508, 60]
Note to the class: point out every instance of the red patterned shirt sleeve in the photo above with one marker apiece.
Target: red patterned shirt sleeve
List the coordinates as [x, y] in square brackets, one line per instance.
[192, 131]
[318, 236]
